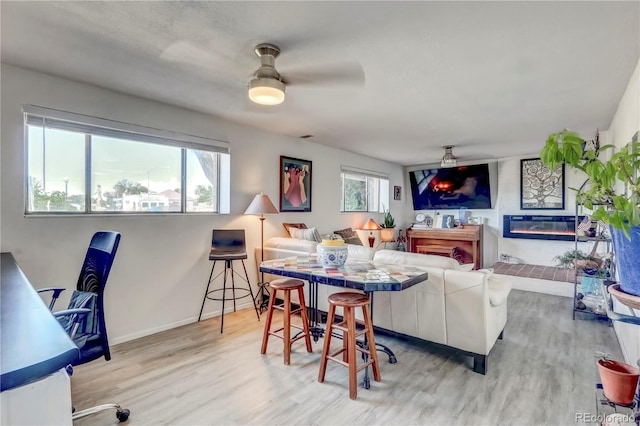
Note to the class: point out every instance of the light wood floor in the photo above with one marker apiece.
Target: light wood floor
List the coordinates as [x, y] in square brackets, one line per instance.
[543, 372]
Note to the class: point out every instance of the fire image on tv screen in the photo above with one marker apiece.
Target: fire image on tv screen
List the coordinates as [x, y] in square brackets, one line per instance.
[451, 188]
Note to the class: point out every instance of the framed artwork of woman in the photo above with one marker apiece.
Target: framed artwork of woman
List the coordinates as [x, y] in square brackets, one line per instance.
[295, 185]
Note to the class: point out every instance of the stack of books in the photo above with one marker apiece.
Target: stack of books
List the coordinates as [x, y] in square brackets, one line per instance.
[419, 225]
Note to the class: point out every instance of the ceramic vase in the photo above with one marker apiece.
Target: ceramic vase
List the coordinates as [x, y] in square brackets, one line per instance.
[627, 252]
[386, 235]
[331, 256]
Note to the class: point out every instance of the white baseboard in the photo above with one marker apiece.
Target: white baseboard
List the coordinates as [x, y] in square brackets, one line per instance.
[149, 331]
[557, 288]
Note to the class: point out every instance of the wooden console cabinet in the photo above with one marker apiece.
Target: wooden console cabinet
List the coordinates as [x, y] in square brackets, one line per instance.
[463, 244]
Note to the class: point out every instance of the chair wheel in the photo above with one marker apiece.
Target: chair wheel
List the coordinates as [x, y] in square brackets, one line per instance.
[123, 415]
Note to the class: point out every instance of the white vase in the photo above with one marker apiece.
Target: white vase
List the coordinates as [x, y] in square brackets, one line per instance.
[332, 255]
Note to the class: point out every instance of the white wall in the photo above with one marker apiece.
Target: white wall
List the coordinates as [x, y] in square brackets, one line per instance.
[489, 217]
[537, 252]
[625, 123]
[506, 201]
[159, 276]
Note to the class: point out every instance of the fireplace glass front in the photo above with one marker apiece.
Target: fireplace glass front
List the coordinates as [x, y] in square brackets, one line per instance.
[539, 227]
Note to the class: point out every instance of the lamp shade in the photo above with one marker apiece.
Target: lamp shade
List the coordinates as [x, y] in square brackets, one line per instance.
[261, 204]
[371, 225]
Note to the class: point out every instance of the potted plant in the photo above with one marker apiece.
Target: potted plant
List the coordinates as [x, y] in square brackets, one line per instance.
[619, 380]
[576, 258]
[386, 234]
[613, 193]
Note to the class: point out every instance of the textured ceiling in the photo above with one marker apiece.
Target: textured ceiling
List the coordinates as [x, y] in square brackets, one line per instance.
[392, 80]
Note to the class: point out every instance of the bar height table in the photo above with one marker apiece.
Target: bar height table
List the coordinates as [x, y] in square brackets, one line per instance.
[367, 277]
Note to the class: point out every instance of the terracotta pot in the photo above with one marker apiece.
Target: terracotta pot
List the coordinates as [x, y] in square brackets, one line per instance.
[386, 235]
[619, 381]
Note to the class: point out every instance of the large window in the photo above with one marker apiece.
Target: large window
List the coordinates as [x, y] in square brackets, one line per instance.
[363, 191]
[79, 164]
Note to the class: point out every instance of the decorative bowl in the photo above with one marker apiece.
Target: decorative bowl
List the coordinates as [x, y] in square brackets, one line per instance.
[332, 255]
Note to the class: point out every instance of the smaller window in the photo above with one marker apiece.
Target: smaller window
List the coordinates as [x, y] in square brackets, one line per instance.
[362, 192]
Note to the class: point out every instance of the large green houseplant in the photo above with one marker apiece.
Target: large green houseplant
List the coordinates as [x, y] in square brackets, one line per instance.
[612, 193]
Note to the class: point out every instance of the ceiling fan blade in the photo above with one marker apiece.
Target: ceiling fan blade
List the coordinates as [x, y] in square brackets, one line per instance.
[186, 52]
[337, 74]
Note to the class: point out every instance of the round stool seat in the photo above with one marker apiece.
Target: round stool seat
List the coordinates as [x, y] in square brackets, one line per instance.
[348, 299]
[286, 284]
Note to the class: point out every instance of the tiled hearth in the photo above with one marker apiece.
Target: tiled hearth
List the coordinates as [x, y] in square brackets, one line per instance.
[550, 273]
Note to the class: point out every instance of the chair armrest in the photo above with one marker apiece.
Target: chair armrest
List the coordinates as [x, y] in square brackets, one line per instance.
[56, 292]
[75, 317]
[80, 311]
[499, 289]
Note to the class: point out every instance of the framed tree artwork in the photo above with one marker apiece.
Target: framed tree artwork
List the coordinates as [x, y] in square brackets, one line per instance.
[295, 185]
[541, 188]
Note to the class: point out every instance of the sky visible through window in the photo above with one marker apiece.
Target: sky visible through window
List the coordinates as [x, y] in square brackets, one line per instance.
[57, 163]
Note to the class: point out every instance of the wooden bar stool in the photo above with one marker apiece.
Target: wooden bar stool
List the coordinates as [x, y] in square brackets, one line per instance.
[350, 301]
[286, 285]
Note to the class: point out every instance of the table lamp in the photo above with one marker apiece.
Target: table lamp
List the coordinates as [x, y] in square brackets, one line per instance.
[261, 205]
[371, 226]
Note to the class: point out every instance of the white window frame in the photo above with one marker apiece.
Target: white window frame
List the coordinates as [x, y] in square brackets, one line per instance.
[95, 126]
[372, 179]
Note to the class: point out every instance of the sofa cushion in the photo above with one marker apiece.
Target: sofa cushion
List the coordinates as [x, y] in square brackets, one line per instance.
[360, 252]
[401, 257]
[349, 236]
[310, 234]
[305, 246]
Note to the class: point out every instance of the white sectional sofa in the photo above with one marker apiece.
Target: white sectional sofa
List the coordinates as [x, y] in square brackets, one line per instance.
[463, 309]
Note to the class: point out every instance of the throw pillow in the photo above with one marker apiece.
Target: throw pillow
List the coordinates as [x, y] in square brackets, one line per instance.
[349, 236]
[466, 267]
[288, 226]
[310, 234]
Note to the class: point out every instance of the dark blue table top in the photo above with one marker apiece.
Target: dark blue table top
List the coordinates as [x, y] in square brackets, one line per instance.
[33, 343]
[365, 276]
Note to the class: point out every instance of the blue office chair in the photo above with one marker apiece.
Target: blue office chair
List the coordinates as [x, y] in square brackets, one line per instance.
[84, 318]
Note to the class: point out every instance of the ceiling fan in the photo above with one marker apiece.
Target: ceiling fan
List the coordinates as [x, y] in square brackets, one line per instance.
[268, 85]
[267, 88]
[448, 159]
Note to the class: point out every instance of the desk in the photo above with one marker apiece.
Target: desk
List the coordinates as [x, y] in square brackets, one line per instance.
[368, 277]
[34, 352]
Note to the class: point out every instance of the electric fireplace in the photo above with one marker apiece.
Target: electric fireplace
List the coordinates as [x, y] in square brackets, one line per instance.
[562, 228]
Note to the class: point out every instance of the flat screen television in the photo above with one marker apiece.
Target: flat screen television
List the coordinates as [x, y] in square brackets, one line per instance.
[451, 188]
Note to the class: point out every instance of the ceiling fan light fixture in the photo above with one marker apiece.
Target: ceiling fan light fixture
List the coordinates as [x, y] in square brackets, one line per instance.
[448, 160]
[266, 91]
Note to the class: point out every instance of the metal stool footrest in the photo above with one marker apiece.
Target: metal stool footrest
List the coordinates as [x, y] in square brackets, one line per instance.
[229, 272]
[248, 293]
